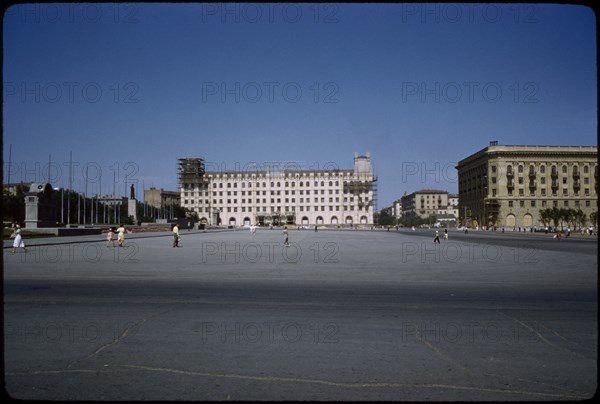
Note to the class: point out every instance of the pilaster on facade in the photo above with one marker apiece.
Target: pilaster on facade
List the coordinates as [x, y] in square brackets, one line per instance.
[508, 185]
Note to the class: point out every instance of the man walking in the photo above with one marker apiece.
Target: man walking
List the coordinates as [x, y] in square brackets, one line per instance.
[285, 232]
[176, 236]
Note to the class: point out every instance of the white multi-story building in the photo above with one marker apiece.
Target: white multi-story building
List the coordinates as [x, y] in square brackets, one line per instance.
[301, 197]
[453, 205]
[397, 209]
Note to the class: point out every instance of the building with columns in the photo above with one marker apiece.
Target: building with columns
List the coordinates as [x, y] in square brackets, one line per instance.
[507, 186]
[334, 197]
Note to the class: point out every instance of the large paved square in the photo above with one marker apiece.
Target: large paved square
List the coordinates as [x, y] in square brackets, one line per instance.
[337, 315]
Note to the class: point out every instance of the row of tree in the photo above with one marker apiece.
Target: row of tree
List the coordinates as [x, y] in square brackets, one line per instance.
[558, 217]
[409, 219]
[572, 218]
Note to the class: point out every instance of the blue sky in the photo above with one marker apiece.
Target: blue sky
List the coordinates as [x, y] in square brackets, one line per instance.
[129, 88]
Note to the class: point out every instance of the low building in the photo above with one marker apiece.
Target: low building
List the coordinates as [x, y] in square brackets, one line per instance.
[112, 200]
[159, 198]
[13, 188]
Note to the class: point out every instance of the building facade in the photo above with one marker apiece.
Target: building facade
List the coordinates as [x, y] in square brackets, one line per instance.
[159, 198]
[13, 188]
[453, 206]
[278, 197]
[425, 203]
[507, 186]
[397, 209]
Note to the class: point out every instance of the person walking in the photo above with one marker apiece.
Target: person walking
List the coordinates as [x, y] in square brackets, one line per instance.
[176, 237]
[121, 236]
[285, 233]
[18, 243]
[436, 239]
[109, 237]
[445, 234]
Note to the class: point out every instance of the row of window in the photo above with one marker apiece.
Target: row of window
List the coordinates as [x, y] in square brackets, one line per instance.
[243, 193]
[565, 192]
[542, 168]
[521, 180]
[234, 209]
[272, 184]
[544, 204]
[264, 200]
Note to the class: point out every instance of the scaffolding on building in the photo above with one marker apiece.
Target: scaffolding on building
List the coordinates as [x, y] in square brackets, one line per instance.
[190, 170]
[374, 200]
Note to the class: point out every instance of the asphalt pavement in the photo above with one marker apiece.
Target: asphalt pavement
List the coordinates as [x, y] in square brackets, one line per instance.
[336, 316]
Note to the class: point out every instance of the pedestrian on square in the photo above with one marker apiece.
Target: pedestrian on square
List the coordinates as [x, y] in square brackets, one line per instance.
[121, 235]
[285, 233]
[176, 237]
[18, 243]
[445, 234]
[436, 239]
[109, 237]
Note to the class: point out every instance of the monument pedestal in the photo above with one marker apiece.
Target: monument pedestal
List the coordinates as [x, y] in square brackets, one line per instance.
[132, 209]
[40, 206]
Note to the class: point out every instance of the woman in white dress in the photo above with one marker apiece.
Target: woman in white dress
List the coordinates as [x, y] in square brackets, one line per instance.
[18, 243]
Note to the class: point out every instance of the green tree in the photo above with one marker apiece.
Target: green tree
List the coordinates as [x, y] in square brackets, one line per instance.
[555, 215]
[412, 219]
[567, 216]
[13, 206]
[594, 218]
[580, 218]
[545, 216]
[385, 219]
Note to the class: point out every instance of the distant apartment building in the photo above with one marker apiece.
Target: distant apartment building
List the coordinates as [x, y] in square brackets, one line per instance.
[280, 196]
[425, 202]
[509, 185]
[453, 206]
[159, 198]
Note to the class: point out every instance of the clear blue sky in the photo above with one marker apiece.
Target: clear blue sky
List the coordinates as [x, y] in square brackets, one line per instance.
[129, 88]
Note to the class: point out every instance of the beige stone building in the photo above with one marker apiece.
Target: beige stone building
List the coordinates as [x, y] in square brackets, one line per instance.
[280, 196]
[426, 202]
[507, 186]
[159, 198]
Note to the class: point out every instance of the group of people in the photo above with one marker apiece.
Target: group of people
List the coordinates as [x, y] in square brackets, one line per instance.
[120, 236]
[285, 233]
[436, 239]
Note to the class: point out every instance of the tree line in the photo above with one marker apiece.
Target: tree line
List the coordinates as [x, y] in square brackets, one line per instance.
[84, 209]
[572, 218]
